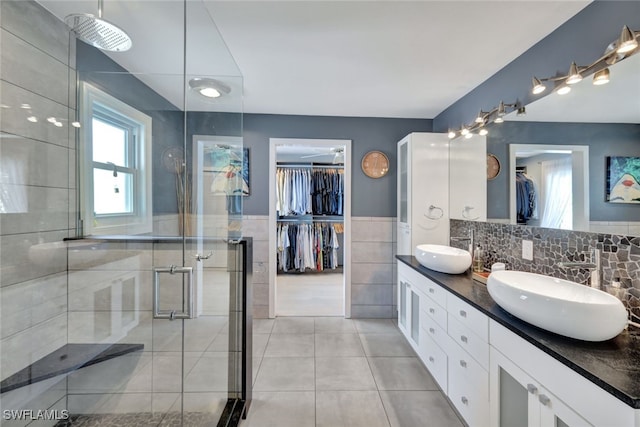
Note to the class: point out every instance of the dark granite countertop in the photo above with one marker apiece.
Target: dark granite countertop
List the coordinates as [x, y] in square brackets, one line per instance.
[613, 365]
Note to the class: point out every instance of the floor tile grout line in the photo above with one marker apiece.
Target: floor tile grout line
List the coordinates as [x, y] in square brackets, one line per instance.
[377, 389]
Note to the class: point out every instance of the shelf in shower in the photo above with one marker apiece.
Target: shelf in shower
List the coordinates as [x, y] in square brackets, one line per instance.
[67, 358]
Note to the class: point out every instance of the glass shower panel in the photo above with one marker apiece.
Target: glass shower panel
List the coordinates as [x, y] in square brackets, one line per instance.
[145, 204]
[37, 151]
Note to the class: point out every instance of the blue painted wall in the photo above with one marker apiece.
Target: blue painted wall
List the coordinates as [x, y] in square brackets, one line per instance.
[370, 197]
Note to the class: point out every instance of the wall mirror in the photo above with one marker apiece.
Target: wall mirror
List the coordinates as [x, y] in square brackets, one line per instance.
[604, 120]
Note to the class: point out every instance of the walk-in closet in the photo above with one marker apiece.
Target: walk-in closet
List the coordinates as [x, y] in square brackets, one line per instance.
[309, 206]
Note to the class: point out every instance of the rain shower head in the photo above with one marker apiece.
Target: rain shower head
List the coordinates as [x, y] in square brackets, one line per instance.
[99, 32]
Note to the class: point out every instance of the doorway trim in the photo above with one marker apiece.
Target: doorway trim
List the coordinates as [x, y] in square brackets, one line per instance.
[274, 143]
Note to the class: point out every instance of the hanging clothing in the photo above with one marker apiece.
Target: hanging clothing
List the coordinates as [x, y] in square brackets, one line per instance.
[293, 191]
[301, 191]
[327, 187]
[526, 198]
[307, 246]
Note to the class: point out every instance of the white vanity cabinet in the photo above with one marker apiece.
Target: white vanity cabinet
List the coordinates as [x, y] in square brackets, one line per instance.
[423, 191]
[493, 376]
[529, 388]
[409, 300]
[452, 343]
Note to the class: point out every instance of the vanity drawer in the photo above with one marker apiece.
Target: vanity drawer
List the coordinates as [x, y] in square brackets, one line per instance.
[469, 341]
[435, 359]
[468, 387]
[435, 311]
[435, 292]
[470, 317]
[434, 331]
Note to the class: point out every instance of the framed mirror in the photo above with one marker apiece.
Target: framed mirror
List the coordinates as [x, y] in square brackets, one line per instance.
[603, 118]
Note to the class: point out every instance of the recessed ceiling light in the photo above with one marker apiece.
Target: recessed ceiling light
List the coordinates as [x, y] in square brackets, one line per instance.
[209, 88]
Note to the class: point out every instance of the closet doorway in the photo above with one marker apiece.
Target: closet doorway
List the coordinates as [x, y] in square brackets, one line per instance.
[309, 227]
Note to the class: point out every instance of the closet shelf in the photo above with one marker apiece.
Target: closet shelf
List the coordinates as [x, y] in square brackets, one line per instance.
[310, 165]
[311, 218]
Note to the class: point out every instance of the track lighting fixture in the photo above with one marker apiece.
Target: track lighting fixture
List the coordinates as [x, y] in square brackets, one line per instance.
[538, 87]
[601, 77]
[574, 75]
[623, 47]
[618, 50]
[627, 41]
[468, 135]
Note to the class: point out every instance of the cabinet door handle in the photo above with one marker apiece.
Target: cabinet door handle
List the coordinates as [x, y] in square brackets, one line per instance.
[463, 363]
[431, 310]
[464, 400]
[464, 339]
[431, 359]
[433, 331]
[431, 290]
[532, 389]
[463, 313]
[544, 399]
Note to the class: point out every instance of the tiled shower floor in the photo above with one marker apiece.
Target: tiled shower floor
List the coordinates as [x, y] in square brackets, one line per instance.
[141, 419]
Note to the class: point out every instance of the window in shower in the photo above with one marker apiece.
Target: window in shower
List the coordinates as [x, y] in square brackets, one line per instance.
[116, 166]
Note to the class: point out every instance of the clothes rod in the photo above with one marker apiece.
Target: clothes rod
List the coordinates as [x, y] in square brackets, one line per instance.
[309, 165]
[310, 220]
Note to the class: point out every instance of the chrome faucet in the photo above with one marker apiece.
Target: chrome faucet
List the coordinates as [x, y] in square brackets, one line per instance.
[467, 238]
[595, 278]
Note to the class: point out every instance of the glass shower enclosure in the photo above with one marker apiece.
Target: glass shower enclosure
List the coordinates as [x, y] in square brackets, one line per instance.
[123, 265]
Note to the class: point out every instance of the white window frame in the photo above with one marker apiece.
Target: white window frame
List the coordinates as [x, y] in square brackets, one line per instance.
[141, 220]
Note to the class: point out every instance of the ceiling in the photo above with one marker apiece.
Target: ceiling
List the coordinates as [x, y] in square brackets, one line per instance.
[409, 59]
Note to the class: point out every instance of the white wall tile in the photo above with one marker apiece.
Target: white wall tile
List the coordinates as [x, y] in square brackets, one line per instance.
[49, 35]
[32, 255]
[34, 162]
[371, 294]
[371, 311]
[14, 119]
[371, 273]
[30, 68]
[42, 209]
[372, 252]
[22, 349]
[372, 231]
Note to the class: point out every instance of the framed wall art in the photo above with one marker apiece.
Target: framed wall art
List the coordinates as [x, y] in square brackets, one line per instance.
[622, 180]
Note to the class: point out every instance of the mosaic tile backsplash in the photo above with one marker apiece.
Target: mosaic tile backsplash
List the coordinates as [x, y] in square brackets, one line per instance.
[620, 255]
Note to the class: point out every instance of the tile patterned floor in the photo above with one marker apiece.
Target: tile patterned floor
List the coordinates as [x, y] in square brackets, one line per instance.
[319, 294]
[335, 372]
[323, 372]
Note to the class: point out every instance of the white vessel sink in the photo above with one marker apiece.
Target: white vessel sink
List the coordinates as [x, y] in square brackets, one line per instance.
[444, 259]
[561, 306]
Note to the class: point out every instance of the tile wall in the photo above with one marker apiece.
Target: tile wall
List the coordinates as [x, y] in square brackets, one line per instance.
[620, 254]
[373, 274]
[37, 191]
